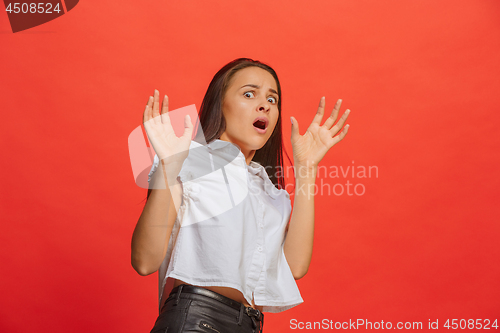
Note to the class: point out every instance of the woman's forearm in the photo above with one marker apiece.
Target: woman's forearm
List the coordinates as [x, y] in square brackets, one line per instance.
[299, 240]
[153, 229]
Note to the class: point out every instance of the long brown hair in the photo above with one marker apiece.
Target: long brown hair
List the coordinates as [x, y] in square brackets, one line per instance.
[213, 123]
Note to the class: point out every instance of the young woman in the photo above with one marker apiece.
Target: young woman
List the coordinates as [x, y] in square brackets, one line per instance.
[217, 224]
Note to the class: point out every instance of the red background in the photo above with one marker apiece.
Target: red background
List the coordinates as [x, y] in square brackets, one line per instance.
[422, 79]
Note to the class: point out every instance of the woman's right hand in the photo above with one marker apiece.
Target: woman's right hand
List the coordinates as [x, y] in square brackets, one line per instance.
[171, 150]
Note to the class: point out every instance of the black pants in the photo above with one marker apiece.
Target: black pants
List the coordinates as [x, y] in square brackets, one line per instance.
[195, 309]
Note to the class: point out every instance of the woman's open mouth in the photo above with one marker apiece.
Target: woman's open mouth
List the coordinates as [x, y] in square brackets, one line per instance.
[260, 124]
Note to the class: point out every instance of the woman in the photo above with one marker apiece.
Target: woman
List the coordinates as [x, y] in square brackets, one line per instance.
[217, 224]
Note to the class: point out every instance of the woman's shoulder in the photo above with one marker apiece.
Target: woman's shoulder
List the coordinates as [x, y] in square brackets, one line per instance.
[194, 159]
[269, 187]
[197, 164]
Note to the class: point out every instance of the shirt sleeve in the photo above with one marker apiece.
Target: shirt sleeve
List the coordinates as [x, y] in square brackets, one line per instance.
[188, 167]
[288, 214]
[194, 166]
[156, 162]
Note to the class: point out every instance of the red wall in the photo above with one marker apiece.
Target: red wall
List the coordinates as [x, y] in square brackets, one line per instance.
[422, 79]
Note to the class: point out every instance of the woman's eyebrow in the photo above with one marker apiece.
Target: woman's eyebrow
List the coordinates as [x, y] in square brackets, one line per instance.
[258, 87]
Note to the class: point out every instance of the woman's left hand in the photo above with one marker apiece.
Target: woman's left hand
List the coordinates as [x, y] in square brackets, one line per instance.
[310, 148]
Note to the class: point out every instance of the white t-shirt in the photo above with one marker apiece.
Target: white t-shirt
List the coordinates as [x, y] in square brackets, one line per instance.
[230, 229]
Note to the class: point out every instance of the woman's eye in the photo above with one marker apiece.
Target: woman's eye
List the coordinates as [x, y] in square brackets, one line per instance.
[248, 93]
[273, 100]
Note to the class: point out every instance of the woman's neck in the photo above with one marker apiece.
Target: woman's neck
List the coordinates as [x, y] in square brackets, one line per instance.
[249, 154]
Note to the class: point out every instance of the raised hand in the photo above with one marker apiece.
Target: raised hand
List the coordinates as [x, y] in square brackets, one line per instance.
[310, 148]
[171, 150]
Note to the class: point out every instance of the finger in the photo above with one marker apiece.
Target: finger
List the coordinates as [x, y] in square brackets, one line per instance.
[156, 104]
[335, 129]
[165, 116]
[295, 128]
[333, 116]
[164, 107]
[145, 114]
[148, 119]
[188, 127]
[149, 107]
[342, 135]
[319, 114]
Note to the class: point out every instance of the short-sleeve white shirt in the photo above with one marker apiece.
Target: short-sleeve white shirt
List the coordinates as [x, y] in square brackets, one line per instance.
[230, 229]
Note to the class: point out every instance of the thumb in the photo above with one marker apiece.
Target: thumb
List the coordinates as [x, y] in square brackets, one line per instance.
[295, 127]
[188, 127]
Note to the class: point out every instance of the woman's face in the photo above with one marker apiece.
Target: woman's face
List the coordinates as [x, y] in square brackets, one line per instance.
[251, 96]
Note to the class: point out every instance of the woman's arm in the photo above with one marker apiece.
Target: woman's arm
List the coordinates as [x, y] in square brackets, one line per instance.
[153, 229]
[308, 150]
[152, 232]
[299, 240]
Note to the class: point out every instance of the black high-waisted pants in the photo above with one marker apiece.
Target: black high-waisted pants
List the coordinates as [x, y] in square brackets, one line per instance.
[195, 309]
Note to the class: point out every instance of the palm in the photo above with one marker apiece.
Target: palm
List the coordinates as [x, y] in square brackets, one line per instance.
[161, 134]
[310, 148]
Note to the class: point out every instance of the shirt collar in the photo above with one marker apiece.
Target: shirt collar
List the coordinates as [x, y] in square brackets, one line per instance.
[257, 169]
[218, 144]
[254, 167]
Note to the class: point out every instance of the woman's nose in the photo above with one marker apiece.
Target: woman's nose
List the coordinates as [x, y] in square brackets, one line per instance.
[265, 106]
